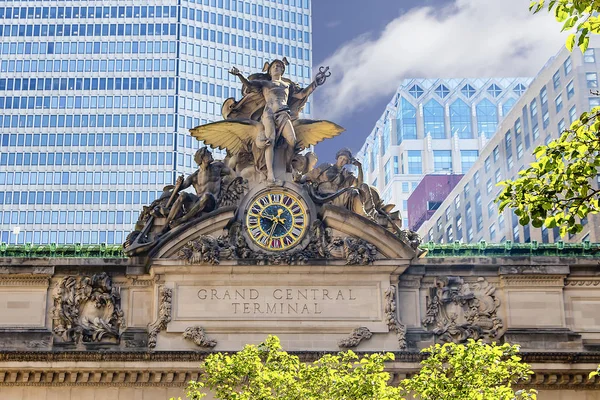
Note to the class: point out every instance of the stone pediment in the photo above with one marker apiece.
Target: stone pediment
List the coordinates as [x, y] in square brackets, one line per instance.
[338, 236]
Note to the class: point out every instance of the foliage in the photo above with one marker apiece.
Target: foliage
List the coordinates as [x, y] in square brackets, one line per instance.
[557, 190]
[581, 14]
[475, 371]
[267, 372]
[595, 373]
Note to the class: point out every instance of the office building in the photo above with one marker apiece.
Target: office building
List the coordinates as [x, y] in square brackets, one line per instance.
[428, 196]
[96, 99]
[555, 98]
[434, 126]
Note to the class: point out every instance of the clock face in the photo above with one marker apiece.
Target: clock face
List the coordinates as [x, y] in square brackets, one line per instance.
[276, 220]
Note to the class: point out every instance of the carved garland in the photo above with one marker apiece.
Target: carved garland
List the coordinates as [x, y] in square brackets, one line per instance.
[392, 320]
[88, 309]
[164, 316]
[357, 336]
[197, 335]
[457, 311]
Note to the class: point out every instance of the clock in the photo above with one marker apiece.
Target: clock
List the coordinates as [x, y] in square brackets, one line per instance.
[276, 220]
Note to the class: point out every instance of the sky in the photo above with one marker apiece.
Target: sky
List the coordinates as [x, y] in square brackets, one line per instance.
[372, 45]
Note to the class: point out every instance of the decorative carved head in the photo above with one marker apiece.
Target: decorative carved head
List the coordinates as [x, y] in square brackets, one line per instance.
[203, 155]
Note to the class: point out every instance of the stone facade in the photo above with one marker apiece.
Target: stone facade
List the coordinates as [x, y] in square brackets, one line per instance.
[104, 326]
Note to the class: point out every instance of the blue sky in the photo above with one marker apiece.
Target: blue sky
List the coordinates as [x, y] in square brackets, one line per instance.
[371, 45]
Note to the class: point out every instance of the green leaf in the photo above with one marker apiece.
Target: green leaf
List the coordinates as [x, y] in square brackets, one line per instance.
[570, 42]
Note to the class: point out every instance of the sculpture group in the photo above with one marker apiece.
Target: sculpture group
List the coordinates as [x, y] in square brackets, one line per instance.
[267, 144]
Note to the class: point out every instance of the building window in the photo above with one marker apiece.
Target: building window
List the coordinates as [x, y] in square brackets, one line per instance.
[449, 235]
[405, 187]
[545, 238]
[533, 111]
[545, 119]
[387, 171]
[591, 79]
[519, 89]
[589, 56]
[407, 121]
[494, 90]
[496, 153]
[498, 176]
[489, 186]
[543, 95]
[567, 65]
[570, 90]
[561, 126]
[558, 102]
[492, 232]
[457, 203]
[442, 91]
[442, 160]
[468, 90]
[508, 104]
[491, 208]
[556, 79]
[433, 118]
[487, 118]
[415, 163]
[460, 119]
[572, 114]
[535, 132]
[467, 159]
[466, 192]
[396, 169]
[387, 132]
[501, 222]
[594, 102]
[416, 91]
[476, 178]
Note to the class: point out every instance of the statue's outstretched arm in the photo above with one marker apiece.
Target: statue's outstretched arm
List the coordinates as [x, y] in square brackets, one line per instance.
[320, 79]
[256, 84]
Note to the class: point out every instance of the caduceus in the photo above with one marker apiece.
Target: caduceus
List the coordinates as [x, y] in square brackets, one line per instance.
[322, 75]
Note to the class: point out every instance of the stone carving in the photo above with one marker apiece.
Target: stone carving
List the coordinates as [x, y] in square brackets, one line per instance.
[197, 335]
[333, 183]
[354, 250]
[457, 311]
[215, 185]
[164, 316]
[262, 132]
[391, 317]
[357, 336]
[322, 245]
[88, 309]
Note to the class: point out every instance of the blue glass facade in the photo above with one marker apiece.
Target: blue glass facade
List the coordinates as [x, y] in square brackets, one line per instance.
[96, 99]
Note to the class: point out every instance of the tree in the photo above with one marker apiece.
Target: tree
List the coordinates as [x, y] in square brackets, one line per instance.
[580, 14]
[265, 372]
[557, 189]
[474, 371]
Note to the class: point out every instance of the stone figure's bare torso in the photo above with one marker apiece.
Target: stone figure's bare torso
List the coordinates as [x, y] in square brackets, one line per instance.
[276, 95]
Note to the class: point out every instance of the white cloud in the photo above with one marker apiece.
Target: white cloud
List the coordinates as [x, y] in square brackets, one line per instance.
[470, 38]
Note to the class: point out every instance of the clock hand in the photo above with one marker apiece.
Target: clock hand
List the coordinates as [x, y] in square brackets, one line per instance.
[272, 231]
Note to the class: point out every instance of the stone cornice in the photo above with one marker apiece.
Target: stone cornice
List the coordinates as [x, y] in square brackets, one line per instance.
[509, 249]
[197, 356]
[12, 280]
[532, 280]
[583, 282]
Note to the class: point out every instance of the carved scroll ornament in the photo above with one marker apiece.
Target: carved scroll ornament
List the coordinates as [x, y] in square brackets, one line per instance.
[88, 309]
[391, 317]
[457, 311]
[164, 316]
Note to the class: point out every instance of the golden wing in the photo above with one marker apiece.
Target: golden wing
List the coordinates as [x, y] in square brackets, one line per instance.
[310, 132]
[233, 135]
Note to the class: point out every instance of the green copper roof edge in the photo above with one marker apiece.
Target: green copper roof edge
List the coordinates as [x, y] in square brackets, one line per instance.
[508, 248]
[61, 251]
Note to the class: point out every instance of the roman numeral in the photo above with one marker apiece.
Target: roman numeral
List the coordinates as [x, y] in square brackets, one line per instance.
[296, 232]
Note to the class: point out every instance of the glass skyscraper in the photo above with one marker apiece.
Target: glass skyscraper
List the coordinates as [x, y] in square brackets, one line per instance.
[96, 99]
[434, 126]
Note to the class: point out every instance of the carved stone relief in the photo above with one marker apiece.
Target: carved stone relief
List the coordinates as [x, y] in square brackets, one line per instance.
[391, 317]
[322, 245]
[88, 309]
[164, 316]
[197, 335]
[357, 336]
[457, 311]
